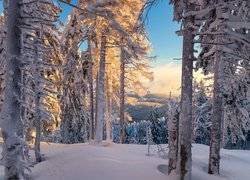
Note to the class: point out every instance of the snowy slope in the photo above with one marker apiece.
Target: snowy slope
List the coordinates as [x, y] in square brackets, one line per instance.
[88, 162]
[129, 162]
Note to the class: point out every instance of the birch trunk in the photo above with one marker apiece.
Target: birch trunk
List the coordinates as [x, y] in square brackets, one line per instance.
[100, 91]
[184, 162]
[37, 105]
[122, 98]
[214, 154]
[91, 90]
[11, 123]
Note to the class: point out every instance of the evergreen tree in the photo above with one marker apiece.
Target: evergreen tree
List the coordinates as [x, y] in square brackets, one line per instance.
[202, 114]
[158, 128]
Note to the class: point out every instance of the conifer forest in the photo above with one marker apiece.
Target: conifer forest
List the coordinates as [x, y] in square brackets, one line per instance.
[125, 89]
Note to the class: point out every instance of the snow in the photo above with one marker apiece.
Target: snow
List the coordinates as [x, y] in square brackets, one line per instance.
[125, 162]
[129, 162]
[94, 163]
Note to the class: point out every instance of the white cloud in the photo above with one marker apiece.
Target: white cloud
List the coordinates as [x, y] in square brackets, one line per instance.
[166, 78]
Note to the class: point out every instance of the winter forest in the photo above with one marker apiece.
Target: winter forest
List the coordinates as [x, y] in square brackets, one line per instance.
[75, 90]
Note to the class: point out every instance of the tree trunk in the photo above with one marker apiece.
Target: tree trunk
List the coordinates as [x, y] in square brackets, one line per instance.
[173, 138]
[100, 91]
[37, 105]
[214, 155]
[224, 129]
[91, 90]
[122, 97]
[111, 106]
[184, 162]
[86, 121]
[193, 119]
[96, 100]
[108, 109]
[11, 123]
[65, 118]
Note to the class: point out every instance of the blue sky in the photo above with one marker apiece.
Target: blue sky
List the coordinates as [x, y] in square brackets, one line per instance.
[161, 29]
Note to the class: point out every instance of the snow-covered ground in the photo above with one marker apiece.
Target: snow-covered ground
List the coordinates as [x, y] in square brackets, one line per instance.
[129, 162]
[89, 162]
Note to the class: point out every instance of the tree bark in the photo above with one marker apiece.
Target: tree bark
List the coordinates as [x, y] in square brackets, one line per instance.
[173, 123]
[224, 129]
[37, 105]
[86, 121]
[184, 162]
[65, 118]
[91, 89]
[193, 119]
[122, 97]
[214, 154]
[100, 91]
[11, 123]
[96, 100]
[108, 108]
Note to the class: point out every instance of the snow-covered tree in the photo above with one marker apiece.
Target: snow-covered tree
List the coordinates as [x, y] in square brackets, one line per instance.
[222, 42]
[158, 129]
[182, 9]
[74, 78]
[40, 49]
[11, 123]
[112, 21]
[22, 22]
[202, 114]
[132, 134]
[149, 137]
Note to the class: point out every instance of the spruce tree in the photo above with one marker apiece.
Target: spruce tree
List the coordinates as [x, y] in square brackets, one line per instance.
[158, 129]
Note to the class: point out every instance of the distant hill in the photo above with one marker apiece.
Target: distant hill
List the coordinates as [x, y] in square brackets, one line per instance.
[140, 110]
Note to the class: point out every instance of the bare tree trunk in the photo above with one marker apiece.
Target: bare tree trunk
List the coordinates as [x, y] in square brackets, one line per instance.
[96, 100]
[111, 106]
[65, 119]
[91, 90]
[66, 128]
[84, 107]
[108, 108]
[100, 91]
[122, 97]
[11, 123]
[224, 129]
[37, 105]
[184, 162]
[173, 123]
[214, 155]
[193, 119]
